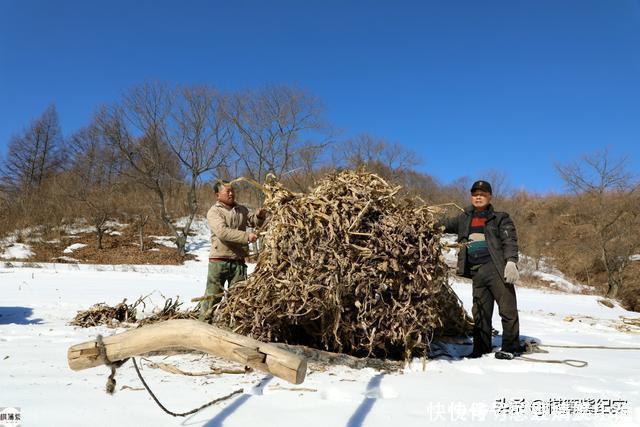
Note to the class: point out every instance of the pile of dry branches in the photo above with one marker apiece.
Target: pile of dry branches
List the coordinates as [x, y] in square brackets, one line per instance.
[103, 314]
[348, 268]
[124, 314]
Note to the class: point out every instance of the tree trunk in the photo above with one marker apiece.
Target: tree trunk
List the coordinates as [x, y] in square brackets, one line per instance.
[141, 222]
[191, 335]
[100, 229]
[586, 270]
[99, 235]
[181, 243]
[141, 234]
[613, 289]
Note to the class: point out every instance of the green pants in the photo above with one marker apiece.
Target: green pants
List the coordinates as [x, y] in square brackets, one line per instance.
[219, 273]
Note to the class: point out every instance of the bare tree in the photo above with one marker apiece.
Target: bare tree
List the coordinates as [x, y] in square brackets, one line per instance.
[199, 139]
[308, 170]
[275, 127]
[137, 129]
[499, 181]
[606, 214]
[458, 191]
[423, 185]
[92, 179]
[34, 155]
[369, 151]
[140, 222]
[597, 174]
[168, 137]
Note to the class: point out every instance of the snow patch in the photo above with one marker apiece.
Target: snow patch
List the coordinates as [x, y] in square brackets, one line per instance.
[75, 246]
[17, 251]
[543, 269]
[115, 224]
[450, 254]
[79, 227]
[164, 241]
[559, 282]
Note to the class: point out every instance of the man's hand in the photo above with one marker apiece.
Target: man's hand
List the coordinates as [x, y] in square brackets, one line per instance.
[252, 237]
[511, 274]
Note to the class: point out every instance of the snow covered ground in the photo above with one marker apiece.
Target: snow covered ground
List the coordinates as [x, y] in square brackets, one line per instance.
[37, 303]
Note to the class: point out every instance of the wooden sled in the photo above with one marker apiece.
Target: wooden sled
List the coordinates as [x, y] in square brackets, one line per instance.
[191, 335]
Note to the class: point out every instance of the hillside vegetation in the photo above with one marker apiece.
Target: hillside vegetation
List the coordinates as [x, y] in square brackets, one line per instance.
[150, 159]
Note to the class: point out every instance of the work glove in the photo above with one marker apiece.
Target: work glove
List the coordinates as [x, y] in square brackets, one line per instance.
[511, 274]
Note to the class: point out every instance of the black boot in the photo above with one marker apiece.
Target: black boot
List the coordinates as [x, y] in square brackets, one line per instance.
[508, 355]
[504, 355]
[475, 354]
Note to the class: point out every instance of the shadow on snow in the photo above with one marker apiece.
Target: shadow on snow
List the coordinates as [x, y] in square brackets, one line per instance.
[18, 316]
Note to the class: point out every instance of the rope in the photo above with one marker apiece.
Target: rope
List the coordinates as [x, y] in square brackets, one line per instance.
[571, 362]
[183, 414]
[586, 346]
[102, 352]
[111, 381]
[534, 347]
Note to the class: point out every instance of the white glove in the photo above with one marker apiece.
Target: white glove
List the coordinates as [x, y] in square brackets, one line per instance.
[511, 274]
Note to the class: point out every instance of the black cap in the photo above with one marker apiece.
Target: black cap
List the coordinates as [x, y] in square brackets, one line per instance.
[482, 186]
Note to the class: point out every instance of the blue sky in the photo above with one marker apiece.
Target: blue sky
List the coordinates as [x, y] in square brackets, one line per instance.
[514, 86]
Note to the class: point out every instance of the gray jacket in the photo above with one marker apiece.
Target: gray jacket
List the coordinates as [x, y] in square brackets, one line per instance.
[499, 232]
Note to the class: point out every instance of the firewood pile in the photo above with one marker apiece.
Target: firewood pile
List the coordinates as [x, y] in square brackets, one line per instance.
[347, 268]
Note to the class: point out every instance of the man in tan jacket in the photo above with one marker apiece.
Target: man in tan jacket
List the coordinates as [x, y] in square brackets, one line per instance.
[228, 222]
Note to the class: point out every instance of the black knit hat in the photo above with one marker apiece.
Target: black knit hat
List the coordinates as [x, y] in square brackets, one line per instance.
[482, 186]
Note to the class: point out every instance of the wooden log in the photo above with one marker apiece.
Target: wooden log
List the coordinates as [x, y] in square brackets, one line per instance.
[192, 335]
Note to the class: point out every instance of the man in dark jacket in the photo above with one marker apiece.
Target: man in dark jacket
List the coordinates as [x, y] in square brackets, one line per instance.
[488, 256]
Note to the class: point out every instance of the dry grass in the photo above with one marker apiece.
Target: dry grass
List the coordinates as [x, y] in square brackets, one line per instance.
[116, 250]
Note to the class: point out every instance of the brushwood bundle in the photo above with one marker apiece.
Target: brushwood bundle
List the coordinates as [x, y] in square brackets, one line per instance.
[123, 314]
[348, 268]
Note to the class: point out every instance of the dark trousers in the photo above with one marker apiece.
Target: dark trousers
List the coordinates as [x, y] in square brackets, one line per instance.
[488, 287]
